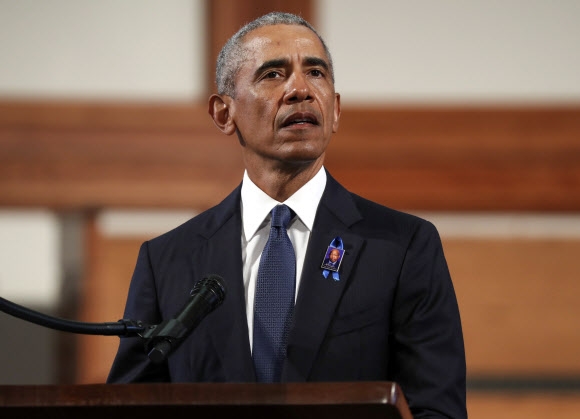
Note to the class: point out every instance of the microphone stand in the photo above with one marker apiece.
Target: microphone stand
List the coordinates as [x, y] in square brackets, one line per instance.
[160, 339]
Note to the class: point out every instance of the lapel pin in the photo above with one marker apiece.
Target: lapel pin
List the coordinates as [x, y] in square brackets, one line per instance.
[333, 258]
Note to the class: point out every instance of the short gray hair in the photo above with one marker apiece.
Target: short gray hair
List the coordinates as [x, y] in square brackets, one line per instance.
[231, 56]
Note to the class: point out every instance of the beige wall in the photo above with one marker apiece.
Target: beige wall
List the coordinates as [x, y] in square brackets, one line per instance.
[385, 50]
[126, 50]
[479, 51]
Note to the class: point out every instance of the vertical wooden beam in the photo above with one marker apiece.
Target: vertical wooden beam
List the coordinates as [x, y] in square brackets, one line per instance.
[225, 17]
[109, 264]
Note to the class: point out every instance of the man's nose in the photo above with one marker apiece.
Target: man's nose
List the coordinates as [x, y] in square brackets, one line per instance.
[298, 89]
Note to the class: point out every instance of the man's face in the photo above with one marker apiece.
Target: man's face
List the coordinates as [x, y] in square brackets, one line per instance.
[334, 254]
[285, 108]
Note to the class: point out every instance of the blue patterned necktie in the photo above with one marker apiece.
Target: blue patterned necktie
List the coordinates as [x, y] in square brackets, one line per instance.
[274, 299]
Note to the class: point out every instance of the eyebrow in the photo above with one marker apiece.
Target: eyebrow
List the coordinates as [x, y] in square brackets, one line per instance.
[316, 62]
[283, 62]
[276, 63]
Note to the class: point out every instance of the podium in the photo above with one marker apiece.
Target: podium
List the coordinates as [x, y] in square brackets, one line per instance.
[368, 400]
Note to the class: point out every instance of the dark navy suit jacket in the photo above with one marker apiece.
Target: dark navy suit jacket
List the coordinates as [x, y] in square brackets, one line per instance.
[391, 316]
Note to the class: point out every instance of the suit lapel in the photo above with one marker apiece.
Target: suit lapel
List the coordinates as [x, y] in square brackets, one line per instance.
[318, 296]
[221, 255]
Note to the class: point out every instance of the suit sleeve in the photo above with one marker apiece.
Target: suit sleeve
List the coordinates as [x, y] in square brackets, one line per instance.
[131, 363]
[427, 352]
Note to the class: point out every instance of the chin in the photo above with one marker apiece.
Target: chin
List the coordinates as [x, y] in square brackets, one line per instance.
[302, 159]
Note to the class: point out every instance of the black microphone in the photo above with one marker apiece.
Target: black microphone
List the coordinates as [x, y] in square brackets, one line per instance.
[207, 294]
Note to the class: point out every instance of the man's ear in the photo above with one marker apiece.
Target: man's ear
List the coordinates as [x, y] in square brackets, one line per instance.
[336, 116]
[219, 109]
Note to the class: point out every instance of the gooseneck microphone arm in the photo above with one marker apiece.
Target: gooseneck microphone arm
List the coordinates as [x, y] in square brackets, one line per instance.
[125, 328]
[160, 340]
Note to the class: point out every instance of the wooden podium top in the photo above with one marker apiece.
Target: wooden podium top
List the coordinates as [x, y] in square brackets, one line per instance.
[370, 400]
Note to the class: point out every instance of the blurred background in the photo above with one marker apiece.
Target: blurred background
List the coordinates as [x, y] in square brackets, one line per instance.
[465, 113]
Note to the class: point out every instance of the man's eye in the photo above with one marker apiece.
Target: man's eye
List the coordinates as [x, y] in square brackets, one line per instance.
[316, 73]
[272, 75]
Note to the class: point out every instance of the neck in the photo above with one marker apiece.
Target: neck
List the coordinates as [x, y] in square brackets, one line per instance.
[282, 183]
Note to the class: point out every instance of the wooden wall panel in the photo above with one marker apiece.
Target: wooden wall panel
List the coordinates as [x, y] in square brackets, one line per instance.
[518, 303]
[86, 155]
[515, 405]
[91, 156]
[110, 264]
[461, 158]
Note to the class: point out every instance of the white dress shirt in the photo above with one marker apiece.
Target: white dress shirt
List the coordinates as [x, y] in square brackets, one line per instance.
[256, 208]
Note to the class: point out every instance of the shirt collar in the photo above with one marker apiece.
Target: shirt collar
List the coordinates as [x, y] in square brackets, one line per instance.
[256, 205]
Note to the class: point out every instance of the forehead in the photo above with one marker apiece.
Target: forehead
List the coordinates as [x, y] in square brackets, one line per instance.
[277, 41]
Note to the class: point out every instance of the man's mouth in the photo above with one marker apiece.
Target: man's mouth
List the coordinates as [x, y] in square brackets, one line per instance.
[300, 118]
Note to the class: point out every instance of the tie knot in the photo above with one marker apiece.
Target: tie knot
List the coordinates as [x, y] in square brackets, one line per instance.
[281, 216]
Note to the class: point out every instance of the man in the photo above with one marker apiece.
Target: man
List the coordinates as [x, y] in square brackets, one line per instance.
[332, 261]
[388, 313]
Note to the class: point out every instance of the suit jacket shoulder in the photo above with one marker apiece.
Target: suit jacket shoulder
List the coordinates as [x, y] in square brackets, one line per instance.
[201, 227]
